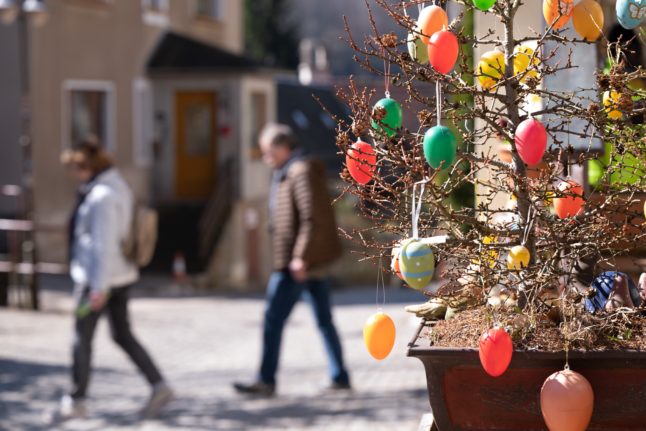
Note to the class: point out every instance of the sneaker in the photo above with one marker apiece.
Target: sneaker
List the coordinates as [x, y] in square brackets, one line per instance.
[260, 389]
[339, 387]
[69, 408]
[160, 397]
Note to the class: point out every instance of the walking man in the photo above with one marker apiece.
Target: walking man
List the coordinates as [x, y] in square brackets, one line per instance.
[304, 241]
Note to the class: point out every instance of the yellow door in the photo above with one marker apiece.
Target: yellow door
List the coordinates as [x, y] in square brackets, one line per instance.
[195, 150]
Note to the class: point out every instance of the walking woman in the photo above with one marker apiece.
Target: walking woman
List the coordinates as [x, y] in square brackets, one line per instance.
[102, 275]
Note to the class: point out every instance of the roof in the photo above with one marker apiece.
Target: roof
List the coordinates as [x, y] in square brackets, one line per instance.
[178, 53]
[313, 127]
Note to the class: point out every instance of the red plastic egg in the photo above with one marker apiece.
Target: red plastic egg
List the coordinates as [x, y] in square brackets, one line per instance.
[361, 161]
[531, 141]
[570, 203]
[567, 401]
[496, 349]
[443, 48]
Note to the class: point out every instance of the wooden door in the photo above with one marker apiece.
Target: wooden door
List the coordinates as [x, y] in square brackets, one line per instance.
[195, 144]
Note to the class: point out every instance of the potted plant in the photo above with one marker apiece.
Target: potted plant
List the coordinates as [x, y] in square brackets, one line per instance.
[521, 269]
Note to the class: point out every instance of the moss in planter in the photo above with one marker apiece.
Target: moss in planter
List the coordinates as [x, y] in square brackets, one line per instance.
[619, 331]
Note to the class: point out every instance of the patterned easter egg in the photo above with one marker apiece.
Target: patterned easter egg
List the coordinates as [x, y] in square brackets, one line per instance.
[417, 263]
[630, 13]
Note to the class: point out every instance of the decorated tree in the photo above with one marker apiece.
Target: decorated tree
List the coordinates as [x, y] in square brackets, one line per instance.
[526, 264]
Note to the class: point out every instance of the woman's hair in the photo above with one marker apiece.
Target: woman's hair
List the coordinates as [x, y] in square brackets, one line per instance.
[87, 154]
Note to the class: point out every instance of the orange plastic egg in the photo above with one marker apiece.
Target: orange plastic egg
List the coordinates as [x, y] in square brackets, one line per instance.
[553, 9]
[569, 202]
[379, 335]
[567, 401]
[587, 18]
[431, 20]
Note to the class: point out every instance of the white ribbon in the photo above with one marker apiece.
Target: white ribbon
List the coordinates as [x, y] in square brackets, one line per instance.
[417, 206]
[438, 97]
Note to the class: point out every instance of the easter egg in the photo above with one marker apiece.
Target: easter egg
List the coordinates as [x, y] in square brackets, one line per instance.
[431, 19]
[417, 263]
[379, 335]
[496, 350]
[361, 161]
[610, 100]
[630, 13]
[440, 147]
[490, 68]
[567, 401]
[587, 18]
[484, 4]
[644, 208]
[443, 51]
[394, 262]
[595, 172]
[569, 201]
[417, 49]
[518, 258]
[553, 9]
[390, 122]
[522, 57]
[531, 141]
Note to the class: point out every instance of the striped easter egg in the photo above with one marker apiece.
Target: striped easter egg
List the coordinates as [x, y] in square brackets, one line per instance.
[416, 263]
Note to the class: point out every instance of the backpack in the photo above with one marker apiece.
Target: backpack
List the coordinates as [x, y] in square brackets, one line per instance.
[139, 245]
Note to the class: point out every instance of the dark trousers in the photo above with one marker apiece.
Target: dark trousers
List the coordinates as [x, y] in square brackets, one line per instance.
[283, 292]
[117, 310]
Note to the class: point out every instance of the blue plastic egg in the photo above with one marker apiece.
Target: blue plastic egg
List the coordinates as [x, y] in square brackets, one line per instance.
[631, 13]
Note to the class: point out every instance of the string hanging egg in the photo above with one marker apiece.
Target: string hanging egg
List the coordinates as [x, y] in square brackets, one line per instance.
[570, 203]
[361, 161]
[518, 258]
[567, 401]
[587, 18]
[630, 13]
[553, 9]
[379, 335]
[495, 352]
[417, 263]
[417, 48]
[432, 19]
[531, 141]
[443, 49]
[490, 68]
[440, 147]
[391, 120]
[484, 5]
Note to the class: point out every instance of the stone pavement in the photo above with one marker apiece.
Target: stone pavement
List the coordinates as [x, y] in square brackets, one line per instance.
[202, 344]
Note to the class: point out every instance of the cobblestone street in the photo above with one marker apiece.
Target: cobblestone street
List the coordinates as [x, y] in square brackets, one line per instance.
[203, 343]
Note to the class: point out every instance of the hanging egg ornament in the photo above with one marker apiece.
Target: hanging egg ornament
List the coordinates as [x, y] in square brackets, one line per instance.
[518, 258]
[431, 20]
[417, 263]
[630, 13]
[490, 68]
[417, 48]
[610, 101]
[553, 9]
[440, 147]
[484, 5]
[379, 335]
[522, 57]
[443, 48]
[392, 120]
[361, 161]
[645, 209]
[570, 203]
[531, 141]
[394, 262]
[567, 401]
[496, 350]
[587, 18]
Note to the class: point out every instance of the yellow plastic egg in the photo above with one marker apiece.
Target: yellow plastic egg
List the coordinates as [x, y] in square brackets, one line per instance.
[522, 57]
[610, 100]
[490, 68]
[379, 335]
[518, 258]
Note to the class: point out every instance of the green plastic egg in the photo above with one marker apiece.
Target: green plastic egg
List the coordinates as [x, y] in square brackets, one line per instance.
[484, 4]
[393, 118]
[417, 49]
[440, 147]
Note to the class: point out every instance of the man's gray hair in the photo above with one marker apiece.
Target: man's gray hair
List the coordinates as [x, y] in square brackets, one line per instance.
[278, 134]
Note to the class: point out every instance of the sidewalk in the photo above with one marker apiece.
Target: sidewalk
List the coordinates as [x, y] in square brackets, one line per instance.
[203, 343]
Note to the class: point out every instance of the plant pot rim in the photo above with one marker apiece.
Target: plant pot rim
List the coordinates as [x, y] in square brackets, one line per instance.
[415, 350]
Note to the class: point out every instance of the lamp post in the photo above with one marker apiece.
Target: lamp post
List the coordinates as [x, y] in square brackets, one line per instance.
[25, 12]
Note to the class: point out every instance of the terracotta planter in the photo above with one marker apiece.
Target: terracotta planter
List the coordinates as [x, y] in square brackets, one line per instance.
[463, 397]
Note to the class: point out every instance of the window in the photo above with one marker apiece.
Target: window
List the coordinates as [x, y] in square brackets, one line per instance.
[212, 9]
[88, 111]
[155, 12]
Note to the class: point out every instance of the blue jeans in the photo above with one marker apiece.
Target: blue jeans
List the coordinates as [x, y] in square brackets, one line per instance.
[283, 292]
